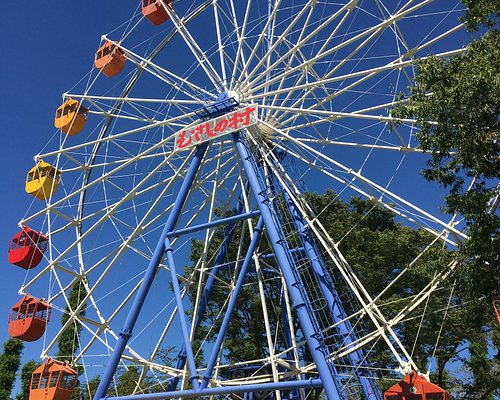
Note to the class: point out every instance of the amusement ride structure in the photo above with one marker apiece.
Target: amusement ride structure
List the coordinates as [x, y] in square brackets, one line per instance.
[179, 173]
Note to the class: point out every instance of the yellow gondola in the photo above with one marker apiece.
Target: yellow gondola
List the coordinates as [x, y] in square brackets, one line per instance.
[42, 180]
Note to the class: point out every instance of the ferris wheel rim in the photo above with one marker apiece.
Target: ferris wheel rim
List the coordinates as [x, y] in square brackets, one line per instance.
[122, 98]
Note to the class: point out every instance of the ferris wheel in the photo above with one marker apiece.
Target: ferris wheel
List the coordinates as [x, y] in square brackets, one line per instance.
[178, 184]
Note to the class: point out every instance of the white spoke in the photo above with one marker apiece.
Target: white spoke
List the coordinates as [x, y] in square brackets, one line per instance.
[240, 55]
[262, 36]
[298, 45]
[388, 67]
[267, 57]
[335, 115]
[194, 47]
[369, 182]
[362, 145]
[220, 44]
[409, 53]
[154, 69]
[131, 99]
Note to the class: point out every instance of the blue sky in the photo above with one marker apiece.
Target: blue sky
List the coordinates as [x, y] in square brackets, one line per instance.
[46, 47]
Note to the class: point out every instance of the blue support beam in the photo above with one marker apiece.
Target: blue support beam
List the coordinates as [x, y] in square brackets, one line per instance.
[225, 390]
[126, 332]
[319, 352]
[343, 325]
[193, 375]
[223, 221]
[219, 260]
[232, 304]
[271, 255]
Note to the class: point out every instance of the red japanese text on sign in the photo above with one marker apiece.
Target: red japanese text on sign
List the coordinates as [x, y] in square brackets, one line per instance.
[215, 128]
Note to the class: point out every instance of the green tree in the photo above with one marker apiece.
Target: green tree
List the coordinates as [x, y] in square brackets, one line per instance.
[87, 391]
[481, 12]
[486, 378]
[68, 341]
[462, 94]
[10, 360]
[126, 383]
[26, 372]
[377, 248]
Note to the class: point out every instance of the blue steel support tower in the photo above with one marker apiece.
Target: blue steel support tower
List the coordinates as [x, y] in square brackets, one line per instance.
[303, 270]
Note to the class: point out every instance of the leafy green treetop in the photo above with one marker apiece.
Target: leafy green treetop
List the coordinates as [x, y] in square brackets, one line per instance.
[68, 341]
[462, 94]
[456, 104]
[10, 360]
[481, 12]
[26, 373]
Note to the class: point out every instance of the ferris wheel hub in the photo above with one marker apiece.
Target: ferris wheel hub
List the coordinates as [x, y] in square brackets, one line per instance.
[225, 102]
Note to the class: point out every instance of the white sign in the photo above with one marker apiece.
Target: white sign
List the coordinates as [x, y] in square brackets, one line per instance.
[214, 128]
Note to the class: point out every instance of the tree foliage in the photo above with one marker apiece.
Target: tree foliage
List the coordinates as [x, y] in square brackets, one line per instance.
[456, 104]
[378, 248]
[126, 383]
[87, 391]
[26, 373]
[68, 341]
[10, 360]
[481, 12]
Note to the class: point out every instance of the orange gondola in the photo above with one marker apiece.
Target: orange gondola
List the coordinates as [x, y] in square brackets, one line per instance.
[415, 387]
[71, 117]
[28, 318]
[53, 380]
[110, 59]
[154, 10]
[27, 248]
[42, 180]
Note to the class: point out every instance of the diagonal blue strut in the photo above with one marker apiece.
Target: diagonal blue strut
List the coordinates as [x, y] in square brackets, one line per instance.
[126, 332]
[207, 290]
[319, 352]
[337, 311]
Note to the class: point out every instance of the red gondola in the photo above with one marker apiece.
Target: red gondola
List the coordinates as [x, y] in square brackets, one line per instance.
[27, 248]
[155, 11]
[415, 387]
[53, 380]
[110, 59]
[28, 318]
